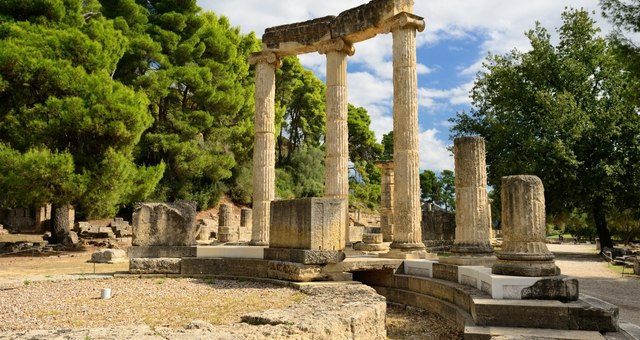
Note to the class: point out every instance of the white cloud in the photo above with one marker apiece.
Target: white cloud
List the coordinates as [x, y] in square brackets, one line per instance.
[433, 152]
[428, 97]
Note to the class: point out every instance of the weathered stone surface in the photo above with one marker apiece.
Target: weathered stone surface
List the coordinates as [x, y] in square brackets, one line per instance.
[553, 288]
[636, 266]
[245, 217]
[164, 224]
[224, 215]
[162, 251]
[445, 272]
[225, 266]
[590, 313]
[304, 256]
[297, 272]
[154, 266]
[524, 252]
[371, 247]
[63, 223]
[472, 206]
[386, 200]
[309, 223]
[109, 256]
[372, 238]
[203, 233]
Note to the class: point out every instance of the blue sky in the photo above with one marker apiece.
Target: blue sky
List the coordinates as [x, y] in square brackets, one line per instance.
[457, 38]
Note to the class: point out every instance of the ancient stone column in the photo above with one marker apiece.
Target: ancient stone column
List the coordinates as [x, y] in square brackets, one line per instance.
[337, 137]
[407, 215]
[472, 245]
[386, 200]
[264, 148]
[245, 217]
[524, 252]
[225, 233]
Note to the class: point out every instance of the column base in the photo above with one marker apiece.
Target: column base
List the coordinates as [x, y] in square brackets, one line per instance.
[408, 251]
[525, 268]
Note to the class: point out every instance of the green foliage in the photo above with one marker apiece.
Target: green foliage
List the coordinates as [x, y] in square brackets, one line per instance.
[561, 113]
[193, 67]
[387, 146]
[304, 177]
[446, 182]
[429, 188]
[37, 176]
[300, 101]
[625, 224]
[59, 103]
[364, 184]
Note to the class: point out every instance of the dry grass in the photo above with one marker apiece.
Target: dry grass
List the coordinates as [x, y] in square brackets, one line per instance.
[54, 264]
[156, 302]
[21, 238]
[413, 323]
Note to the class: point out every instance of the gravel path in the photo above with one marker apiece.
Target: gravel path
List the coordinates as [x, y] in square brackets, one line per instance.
[595, 279]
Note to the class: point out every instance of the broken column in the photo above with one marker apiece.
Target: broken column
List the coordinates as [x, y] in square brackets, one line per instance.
[386, 200]
[524, 252]
[264, 145]
[43, 218]
[62, 225]
[337, 138]
[407, 233]
[245, 217]
[472, 245]
[225, 232]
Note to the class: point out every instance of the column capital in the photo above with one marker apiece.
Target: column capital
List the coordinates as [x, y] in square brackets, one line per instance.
[266, 57]
[404, 20]
[384, 165]
[339, 45]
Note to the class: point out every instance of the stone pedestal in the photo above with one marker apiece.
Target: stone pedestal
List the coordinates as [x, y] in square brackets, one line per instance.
[407, 233]
[524, 252]
[337, 138]
[306, 231]
[225, 232]
[264, 148]
[164, 224]
[386, 200]
[472, 244]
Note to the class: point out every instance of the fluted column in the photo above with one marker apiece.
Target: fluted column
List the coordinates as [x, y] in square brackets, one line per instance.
[407, 233]
[524, 251]
[472, 245]
[337, 137]
[386, 200]
[264, 145]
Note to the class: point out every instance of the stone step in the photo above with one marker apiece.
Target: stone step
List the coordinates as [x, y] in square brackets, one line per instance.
[485, 333]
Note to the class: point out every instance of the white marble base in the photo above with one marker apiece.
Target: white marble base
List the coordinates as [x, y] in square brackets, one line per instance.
[422, 268]
[243, 252]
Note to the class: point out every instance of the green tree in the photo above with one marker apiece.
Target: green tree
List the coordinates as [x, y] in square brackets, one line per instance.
[429, 187]
[364, 183]
[387, 146]
[625, 15]
[446, 184]
[193, 67]
[59, 104]
[561, 113]
[300, 100]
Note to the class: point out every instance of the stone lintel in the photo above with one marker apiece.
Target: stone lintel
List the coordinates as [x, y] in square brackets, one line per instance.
[304, 256]
[353, 25]
[162, 251]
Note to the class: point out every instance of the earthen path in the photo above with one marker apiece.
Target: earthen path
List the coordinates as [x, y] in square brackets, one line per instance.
[596, 279]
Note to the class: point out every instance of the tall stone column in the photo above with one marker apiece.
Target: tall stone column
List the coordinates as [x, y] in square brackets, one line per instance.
[386, 200]
[407, 214]
[524, 251]
[472, 245]
[264, 148]
[337, 137]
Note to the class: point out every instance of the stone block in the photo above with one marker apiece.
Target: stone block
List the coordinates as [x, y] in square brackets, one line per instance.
[247, 252]
[422, 268]
[225, 267]
[372, 238]
[552, 288]
[445, 272]
[521, 313]
[593, 314]
[297, 272]
[304, 256]
[309, 223]
[164, 224]
[162, 251]
[373, 247]
[109, 256]
[154, 266]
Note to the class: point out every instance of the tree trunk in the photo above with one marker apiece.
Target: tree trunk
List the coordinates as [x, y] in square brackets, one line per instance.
[601, 223]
